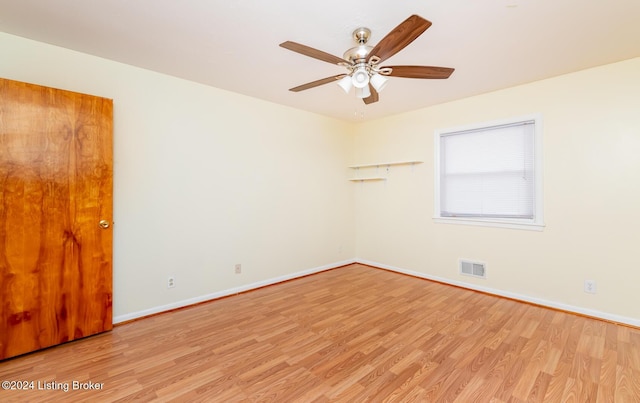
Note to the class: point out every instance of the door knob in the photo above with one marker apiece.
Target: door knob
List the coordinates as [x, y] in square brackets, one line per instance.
[104, 224]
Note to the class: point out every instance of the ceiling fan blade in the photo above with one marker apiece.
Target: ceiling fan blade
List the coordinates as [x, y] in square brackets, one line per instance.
[399, 37]
[374, 97]
[311, 52]
[420, 71]
[317, 83]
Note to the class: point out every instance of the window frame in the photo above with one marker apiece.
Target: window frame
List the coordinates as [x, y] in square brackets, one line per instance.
[534, 224]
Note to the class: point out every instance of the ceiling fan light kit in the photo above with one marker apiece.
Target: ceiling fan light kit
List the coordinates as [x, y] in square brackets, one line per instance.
[346, 83]
[362, 61]
[363, 92]
[360, 77]
[379, 82]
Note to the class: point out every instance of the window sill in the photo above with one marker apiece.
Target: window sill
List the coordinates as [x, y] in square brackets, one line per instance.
[511, 224]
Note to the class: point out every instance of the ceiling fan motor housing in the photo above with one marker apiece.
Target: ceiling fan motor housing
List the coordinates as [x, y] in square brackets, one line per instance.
[357, 54]
[360, 52]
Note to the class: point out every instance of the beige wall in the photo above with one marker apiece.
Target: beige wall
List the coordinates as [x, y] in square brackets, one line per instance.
[591, 152]
[205, 179]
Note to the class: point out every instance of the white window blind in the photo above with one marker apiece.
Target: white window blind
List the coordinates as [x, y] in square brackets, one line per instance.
[489, 172]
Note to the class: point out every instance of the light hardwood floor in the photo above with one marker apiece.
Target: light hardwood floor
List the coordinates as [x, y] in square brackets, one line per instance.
[352, 334]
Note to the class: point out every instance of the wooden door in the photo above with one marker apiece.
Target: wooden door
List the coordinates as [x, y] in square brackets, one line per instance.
[56, 170]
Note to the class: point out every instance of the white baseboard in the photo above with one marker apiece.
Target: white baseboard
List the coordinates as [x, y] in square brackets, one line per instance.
[225, 293]
[520, 297]
[247, 287]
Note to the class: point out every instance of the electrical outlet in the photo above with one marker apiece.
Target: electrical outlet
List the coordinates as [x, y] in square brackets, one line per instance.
[238, 268]
[590, 286]
[171, 282]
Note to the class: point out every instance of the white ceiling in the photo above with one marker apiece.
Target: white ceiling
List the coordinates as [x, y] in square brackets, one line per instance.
[233, 44]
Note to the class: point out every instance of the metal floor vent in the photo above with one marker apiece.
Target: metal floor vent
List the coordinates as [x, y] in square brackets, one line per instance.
[475, 269]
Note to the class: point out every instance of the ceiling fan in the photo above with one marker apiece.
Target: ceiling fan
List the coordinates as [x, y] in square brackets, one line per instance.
[362, 61]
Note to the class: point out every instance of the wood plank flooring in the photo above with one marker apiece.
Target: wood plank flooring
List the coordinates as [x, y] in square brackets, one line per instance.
[352, 334]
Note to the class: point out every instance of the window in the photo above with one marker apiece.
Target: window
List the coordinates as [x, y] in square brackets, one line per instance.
[490, 174]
